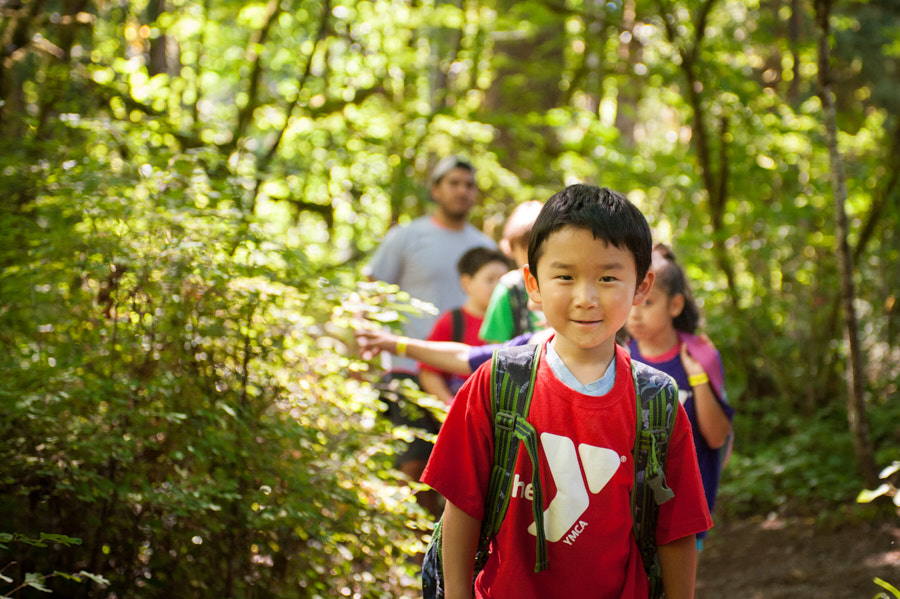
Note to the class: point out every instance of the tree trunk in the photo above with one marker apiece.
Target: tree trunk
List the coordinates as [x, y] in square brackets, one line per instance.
[856, 405]
[158, 58]
[794, 27]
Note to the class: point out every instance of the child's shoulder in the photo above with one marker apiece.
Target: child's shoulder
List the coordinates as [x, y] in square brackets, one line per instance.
[517, 360]
[650, 375]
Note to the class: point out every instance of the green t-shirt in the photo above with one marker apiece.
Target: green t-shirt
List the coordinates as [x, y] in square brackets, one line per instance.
[507, 314]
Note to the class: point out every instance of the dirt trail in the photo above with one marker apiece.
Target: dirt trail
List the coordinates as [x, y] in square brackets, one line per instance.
[794, 558]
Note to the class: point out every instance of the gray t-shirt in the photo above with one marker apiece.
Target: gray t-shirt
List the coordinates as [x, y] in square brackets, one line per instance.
[421, 259]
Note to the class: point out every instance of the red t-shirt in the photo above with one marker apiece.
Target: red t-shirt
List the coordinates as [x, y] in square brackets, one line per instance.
[586, 474]
[443, 331]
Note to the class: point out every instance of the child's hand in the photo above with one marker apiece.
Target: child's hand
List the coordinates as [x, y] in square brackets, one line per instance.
[372, 342]
[691, 366]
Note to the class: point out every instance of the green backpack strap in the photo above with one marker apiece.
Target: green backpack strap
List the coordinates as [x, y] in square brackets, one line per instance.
[656, 399]
[513, 371]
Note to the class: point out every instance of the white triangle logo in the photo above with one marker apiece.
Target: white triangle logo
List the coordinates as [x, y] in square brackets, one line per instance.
[571, 501]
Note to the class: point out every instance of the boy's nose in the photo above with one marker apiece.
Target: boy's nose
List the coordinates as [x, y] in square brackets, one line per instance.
[586, 296]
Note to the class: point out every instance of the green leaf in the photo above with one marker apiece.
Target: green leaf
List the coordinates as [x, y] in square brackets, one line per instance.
[887, 586]
[62, 539]
[35, 580]
[888, 471]
[868, 496]
[95, 577]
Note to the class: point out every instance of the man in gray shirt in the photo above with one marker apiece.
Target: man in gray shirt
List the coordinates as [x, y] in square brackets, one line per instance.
[421, 259]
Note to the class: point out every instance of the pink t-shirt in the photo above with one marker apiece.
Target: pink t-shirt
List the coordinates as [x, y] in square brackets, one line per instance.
[586, 473]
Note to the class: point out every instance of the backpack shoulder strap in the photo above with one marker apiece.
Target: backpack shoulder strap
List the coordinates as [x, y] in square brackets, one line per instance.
[518, 303]
[459, 324]
[656, 399]
[513, 371]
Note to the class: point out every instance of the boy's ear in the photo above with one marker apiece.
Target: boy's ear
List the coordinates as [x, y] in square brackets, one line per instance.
[643, 290]
[465, 281]
[531, 285]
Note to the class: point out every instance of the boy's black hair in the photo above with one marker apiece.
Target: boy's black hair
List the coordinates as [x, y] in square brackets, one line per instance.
[671, 279]
[607, 214]
[473, 260]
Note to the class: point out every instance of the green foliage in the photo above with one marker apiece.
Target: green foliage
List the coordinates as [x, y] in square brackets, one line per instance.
[34, 580]
[885, 489]
[41, 541]
[806, 467]
[192, 187]
[186, 413]
[895, 592]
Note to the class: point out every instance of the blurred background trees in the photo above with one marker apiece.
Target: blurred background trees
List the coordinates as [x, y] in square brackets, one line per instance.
[190, 187]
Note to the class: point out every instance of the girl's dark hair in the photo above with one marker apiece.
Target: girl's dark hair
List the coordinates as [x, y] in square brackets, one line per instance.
[607, 214]
[671, 278]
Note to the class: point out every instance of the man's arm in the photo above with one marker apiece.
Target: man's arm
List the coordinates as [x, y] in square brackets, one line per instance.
[678, 561]
[460, 542]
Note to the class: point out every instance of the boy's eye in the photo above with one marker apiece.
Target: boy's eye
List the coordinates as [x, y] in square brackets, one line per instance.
[608, 279]
[564, 277]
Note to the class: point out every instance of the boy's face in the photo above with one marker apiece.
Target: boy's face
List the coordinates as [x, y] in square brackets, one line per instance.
[480, 286]
[586, 289]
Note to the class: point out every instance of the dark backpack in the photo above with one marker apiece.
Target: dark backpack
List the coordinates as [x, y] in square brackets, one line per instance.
[513, 372]
[518, 304]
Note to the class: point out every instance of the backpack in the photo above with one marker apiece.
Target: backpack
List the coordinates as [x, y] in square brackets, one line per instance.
[513, 371]
[518, 304]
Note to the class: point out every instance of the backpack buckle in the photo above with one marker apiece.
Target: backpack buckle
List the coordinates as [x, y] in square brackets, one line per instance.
[507, 420]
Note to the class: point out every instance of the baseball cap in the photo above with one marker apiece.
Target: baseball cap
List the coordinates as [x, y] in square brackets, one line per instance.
[448, 164]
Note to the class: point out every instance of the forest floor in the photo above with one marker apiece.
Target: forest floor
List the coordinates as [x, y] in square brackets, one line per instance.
[797, 558]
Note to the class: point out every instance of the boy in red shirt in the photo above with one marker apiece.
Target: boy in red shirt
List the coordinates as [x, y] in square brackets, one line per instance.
[479, 271]
[588, 264]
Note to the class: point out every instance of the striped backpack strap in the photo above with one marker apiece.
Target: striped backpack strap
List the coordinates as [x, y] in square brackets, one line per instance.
[656, 397]
[518, 303]
[513, 372]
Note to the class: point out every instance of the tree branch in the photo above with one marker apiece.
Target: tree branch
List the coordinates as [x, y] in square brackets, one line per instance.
[253, 56]
[16, 35]
[885, 192]
[267, 158]
[856, 406]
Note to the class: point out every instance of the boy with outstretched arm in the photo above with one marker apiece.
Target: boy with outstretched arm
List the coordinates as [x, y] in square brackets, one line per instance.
[588, 264]
[479, 270]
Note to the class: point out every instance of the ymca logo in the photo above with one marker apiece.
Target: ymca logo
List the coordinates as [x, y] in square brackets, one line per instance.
[599, 465]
